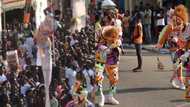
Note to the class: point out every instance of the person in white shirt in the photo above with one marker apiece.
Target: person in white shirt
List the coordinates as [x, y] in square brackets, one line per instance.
[3, 78]
[170, 13]
[70, 74]
[147, 23]
[89, 74]
[160, 23]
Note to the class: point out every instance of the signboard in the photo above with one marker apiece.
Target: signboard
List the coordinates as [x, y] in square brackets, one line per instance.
[12, 58]
[11, 1]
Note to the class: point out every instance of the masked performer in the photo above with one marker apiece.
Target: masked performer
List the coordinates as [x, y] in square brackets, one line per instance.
[177, 34]
[107, 59]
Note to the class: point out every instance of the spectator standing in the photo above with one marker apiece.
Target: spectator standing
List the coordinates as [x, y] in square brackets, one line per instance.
[132, 24]
[98, 23]
[3, 77]
[118, 22]
[160, 23]
[98, 28]
[126, 20]
[169, 13]
[138, 40]
[147, 23]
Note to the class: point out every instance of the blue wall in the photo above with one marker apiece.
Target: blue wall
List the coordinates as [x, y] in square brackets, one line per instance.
[122, 5]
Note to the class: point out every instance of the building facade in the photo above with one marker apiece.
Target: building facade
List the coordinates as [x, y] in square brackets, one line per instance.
[130, 4]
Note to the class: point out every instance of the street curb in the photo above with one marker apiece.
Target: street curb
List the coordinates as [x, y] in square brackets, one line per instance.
[151, 49]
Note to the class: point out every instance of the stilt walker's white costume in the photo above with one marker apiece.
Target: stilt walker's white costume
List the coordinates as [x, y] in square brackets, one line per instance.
[43, 35]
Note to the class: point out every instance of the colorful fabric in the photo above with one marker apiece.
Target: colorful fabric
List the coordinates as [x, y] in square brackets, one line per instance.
[185, 59]
[112, 90]
[107, 58]
[174, 39]
[162, 32]
[112, 72]
[113, 56]
[179, 70]
[99, 73]
[101, 54]
[182, 63]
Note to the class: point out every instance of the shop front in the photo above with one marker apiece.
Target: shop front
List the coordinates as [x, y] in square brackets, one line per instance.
[13, 4]
[10, 8]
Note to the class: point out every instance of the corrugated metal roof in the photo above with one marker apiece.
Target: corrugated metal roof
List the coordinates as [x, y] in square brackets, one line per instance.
[12, 4]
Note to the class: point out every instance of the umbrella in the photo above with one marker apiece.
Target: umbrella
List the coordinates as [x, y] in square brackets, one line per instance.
[108, 4]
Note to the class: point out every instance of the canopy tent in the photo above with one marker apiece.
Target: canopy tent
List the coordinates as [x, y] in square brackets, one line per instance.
[8, 5]
[108, 4]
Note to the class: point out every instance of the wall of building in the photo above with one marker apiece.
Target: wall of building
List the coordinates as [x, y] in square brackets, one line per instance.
[130, 4]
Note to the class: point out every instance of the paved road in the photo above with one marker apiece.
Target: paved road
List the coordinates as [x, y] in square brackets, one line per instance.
[150, 88]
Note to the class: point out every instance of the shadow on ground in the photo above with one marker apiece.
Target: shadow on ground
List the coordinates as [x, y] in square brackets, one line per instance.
[178, 101]
[139, 90]
[136, 90]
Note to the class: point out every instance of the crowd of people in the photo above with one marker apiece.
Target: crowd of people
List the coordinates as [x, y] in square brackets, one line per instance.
[153, 20]
[22, 82]
[168, 29]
